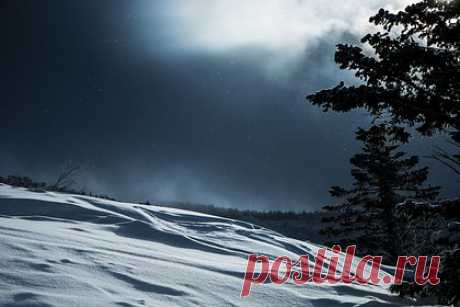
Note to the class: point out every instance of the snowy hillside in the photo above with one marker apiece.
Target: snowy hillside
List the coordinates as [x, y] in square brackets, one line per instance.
[69, 250]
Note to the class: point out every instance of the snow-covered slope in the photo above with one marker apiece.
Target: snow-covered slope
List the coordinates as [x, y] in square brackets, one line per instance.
[70, 250]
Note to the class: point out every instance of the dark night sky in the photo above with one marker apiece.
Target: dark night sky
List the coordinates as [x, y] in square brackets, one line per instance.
[179, 100]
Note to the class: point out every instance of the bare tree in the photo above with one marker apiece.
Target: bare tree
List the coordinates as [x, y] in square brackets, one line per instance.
[67, 177]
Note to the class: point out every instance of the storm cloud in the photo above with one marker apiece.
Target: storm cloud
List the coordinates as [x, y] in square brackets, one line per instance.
[199, 101]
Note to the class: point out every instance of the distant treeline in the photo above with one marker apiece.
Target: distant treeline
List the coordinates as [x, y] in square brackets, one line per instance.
[36, 186]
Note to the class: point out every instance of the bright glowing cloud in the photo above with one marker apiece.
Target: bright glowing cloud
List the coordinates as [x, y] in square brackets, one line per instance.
[275, 25]
[282, 31]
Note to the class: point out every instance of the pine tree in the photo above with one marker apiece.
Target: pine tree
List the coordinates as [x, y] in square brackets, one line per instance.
[383, 177]
[412, 76]
[413, 73]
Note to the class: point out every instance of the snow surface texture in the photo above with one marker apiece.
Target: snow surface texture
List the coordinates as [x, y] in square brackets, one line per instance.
[70, 250]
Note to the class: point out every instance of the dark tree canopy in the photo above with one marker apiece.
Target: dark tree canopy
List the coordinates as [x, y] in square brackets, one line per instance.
[410, 76]
[413, 72]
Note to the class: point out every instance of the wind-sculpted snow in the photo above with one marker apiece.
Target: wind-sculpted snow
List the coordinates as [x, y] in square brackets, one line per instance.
[70, 250]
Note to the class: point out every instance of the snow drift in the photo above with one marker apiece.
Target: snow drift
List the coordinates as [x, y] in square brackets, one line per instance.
[70, 250]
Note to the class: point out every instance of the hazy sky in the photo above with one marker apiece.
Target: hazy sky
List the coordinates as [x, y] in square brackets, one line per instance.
[199, 101]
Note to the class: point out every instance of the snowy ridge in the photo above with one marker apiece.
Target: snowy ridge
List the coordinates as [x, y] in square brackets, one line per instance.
[69, 250]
